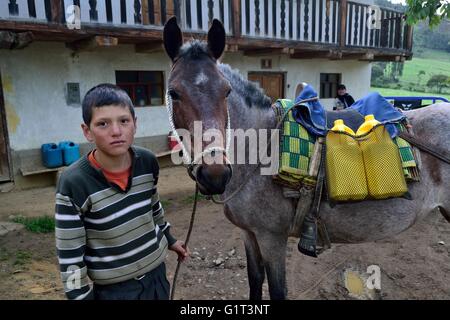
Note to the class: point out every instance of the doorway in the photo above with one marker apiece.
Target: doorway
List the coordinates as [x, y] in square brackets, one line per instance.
[271, 82]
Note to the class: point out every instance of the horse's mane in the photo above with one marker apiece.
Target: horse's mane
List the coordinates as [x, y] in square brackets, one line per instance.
[250, 91]
[252, 94]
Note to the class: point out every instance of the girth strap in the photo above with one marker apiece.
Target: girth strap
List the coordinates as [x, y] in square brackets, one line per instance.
[434, 151]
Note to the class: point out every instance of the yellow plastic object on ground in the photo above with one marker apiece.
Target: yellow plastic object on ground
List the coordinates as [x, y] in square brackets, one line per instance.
[383, 166]
[369, 123]
[339, 126]
[346, 177]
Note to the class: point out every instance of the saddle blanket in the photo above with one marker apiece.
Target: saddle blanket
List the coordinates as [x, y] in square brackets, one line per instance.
[313, 116]
[297, 146]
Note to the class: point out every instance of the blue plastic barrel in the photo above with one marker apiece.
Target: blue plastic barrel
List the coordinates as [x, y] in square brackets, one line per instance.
[71, 152]
[52, 156]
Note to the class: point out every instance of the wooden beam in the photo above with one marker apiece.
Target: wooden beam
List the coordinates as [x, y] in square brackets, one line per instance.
[396, 58]
[237, 18]
[330, 54]
[133, 35]
[364, 56]
[157, 12]
[343, 25]
[12, 40]
[145, 18]
[410, 38]
[148, 47]
[23, 40]
[7, 39]
[267, 51]
[56, 7]
[93, 43]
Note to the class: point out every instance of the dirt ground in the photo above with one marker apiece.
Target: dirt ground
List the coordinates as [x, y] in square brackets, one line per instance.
[413, 265]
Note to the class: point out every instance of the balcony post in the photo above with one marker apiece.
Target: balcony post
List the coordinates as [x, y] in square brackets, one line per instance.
[57, 12]
[237, 18]
[343, 24]
[145, 17]
[410, 38]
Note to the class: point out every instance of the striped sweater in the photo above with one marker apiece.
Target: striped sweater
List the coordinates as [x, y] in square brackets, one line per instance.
[106, 234]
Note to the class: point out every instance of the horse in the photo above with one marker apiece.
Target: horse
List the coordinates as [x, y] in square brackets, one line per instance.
[200, 88]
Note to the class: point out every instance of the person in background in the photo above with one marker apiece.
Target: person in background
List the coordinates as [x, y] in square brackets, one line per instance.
[343, 99]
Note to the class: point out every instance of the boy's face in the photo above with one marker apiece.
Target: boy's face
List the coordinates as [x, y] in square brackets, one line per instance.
[342, 91]
[112, 129]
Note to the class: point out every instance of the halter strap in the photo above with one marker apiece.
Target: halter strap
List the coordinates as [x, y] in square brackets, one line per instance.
[197, 158]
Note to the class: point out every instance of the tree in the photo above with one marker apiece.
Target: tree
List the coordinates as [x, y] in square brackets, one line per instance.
[419, 76]
[433, 10]
[439, 81]
[377, 72]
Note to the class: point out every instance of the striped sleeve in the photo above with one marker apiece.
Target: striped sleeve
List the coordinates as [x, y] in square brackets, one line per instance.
[158, 215]
[70, 246]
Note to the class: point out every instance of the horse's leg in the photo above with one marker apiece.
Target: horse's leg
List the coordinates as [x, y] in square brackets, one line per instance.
[255, 266]
[273, 252]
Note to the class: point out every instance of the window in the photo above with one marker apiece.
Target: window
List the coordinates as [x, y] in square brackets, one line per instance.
[145, 88]
[328, 85]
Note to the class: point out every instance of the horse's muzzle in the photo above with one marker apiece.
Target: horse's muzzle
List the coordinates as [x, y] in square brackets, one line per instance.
[212, 179]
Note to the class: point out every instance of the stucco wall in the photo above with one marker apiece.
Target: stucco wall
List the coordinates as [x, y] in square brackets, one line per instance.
[34, 84]
[355, 74]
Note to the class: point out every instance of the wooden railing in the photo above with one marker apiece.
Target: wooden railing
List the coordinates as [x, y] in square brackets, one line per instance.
[301, 20]
[339, 23]
[193, 15]
[389, 32]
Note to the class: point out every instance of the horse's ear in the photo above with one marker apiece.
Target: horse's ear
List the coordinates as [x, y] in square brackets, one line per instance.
[216, 39]
[172, 37]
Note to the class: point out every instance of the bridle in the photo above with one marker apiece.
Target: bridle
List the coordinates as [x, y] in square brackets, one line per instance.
[192, 163]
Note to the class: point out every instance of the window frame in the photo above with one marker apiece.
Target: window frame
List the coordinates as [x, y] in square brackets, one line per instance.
[132, 86]
[332, 85]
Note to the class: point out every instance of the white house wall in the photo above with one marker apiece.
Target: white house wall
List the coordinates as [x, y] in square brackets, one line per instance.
[34, 81]
[355, 74]
[34, 84]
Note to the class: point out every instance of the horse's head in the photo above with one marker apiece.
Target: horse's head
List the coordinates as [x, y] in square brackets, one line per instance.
[198, 91]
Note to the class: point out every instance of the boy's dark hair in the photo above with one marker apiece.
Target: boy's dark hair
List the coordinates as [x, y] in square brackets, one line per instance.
[341, 86]
[104, 94]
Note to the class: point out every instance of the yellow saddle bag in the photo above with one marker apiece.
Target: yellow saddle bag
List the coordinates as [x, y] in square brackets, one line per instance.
[365, 166]
[346, 177]
[383, 165]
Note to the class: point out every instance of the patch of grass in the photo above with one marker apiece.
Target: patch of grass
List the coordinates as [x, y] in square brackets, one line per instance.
[4, 255]
[190, 199]
[165, 203]
[429, 61]
[44, 224]
[22, 258]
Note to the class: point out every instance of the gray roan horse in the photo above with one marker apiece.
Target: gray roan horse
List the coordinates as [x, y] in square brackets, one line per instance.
[202, 89]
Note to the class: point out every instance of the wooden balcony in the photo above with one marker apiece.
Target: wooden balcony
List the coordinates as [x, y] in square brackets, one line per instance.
[335, 29]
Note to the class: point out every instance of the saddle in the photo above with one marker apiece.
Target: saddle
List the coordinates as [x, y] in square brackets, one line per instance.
[306, 178]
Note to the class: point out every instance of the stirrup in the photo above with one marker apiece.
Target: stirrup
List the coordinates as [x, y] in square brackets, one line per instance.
[308, 237]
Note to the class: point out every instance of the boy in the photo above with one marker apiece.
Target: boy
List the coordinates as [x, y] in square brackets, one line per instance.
[110, 224]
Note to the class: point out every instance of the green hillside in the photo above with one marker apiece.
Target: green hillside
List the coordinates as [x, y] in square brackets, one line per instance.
[430, 61]
[413, 75]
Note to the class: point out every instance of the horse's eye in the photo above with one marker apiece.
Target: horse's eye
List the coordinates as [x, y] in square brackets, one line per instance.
[174, 95]
[228, 93]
